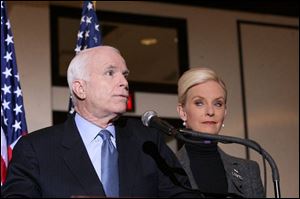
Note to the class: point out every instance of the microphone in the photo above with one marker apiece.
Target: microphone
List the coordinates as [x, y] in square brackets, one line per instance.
[150, 119]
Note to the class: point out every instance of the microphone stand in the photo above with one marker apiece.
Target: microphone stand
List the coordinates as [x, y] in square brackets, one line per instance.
[227, 140]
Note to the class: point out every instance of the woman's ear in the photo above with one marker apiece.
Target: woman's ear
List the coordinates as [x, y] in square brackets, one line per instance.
[181, 112]
[78, 87]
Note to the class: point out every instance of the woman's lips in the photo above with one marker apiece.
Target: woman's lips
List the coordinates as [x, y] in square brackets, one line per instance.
[209, 122]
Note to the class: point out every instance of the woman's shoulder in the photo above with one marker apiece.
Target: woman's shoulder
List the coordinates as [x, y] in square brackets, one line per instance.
[236, 160]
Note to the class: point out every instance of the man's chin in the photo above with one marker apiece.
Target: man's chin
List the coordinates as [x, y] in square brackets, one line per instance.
[121, 110]
[118, 113]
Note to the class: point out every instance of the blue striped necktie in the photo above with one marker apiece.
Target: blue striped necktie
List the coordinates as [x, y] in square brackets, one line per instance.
[109, 165]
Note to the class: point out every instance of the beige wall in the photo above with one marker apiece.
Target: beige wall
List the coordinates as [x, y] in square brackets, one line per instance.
[212, 42]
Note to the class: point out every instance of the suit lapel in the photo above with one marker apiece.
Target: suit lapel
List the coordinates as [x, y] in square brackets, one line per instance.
[234, 175]
[128, 156]
[77, 159]
[185, 162]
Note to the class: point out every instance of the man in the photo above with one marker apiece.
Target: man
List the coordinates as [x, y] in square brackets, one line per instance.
[66, 160]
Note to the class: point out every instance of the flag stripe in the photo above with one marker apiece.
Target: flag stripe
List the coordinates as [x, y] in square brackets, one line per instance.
[13, 122]
[3, 171]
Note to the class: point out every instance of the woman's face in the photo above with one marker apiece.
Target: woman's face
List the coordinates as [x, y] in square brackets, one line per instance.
[204, 109]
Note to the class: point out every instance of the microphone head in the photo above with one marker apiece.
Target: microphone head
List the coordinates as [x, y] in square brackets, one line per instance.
[147, 116]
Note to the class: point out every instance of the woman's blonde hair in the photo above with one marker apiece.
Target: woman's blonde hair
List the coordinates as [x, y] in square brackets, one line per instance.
[194, 76]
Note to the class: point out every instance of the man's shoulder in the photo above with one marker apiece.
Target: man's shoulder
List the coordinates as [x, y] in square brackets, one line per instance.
[46, 132]
[130, 122]
[134, 126]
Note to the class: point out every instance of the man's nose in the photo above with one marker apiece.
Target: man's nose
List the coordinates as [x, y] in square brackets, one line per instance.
[124, 82]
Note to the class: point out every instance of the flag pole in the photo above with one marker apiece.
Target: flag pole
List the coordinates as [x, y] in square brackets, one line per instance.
[94, 3]
[89, 34]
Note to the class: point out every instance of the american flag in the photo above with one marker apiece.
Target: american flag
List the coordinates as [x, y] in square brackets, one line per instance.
[13, 123]
[89, 34]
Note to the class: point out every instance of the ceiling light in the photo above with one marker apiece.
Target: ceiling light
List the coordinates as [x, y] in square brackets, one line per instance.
[148, 41]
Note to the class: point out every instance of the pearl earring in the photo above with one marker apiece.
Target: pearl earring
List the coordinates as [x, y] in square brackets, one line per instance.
[184, 123]
[223, 125]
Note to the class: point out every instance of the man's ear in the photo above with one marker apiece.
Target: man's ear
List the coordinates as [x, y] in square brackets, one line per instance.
[79, 88]
[181, 112]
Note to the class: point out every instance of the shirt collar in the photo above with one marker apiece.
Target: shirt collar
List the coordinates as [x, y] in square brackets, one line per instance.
[88, 131]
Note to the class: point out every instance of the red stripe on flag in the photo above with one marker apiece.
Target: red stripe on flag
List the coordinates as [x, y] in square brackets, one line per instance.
[9, 153]
[24, 133]
[3, 171]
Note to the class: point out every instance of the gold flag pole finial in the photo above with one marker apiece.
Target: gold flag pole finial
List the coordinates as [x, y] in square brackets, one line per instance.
[94, 3]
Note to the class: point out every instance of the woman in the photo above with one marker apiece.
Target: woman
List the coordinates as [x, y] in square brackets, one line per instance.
[201, 105]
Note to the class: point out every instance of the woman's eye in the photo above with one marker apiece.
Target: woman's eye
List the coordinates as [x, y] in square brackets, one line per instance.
[199, 103]
[219, 104]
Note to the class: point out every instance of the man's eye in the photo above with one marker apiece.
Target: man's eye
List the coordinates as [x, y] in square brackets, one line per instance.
[110, 73]
[126, 75]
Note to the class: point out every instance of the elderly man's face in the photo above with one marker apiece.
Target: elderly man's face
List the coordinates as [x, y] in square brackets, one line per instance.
[107, 85]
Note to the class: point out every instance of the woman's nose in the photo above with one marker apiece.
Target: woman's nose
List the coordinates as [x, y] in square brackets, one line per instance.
[210, 111]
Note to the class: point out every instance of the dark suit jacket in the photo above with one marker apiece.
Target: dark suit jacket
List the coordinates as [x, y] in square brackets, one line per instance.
[53, 162]
[243, 176]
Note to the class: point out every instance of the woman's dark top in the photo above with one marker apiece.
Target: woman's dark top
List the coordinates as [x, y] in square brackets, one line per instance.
[207, 167]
